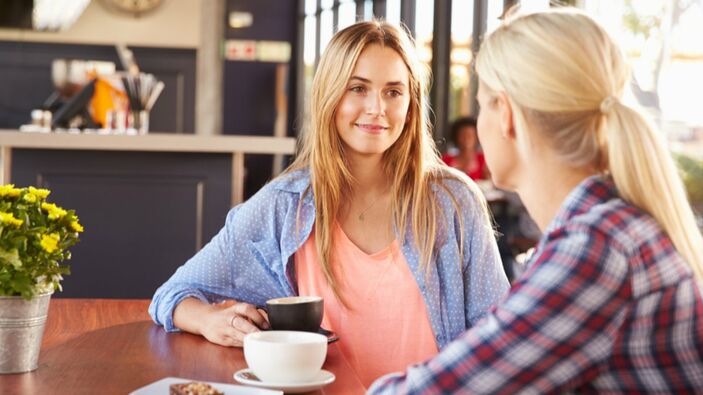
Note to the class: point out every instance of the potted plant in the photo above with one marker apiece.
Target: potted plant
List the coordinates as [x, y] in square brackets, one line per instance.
[692, 175]
[34, 239]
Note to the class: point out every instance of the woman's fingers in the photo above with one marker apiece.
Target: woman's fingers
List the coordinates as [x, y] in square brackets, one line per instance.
[243, 319]
[266, 316]
[231, 321]
[243, 325]
[252, 314]
[234, 338]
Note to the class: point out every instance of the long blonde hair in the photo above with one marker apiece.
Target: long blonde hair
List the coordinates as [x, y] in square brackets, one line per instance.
[566, 78]
[411, 163]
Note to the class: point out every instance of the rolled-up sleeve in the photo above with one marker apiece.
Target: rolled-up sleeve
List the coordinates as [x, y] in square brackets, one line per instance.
[243, 261]
[206, 276]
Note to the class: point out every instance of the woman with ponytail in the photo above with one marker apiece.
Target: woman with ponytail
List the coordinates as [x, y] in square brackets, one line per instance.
[399, 245]
[610, 301]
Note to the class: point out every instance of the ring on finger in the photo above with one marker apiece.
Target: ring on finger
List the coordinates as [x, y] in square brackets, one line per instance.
[234, 317]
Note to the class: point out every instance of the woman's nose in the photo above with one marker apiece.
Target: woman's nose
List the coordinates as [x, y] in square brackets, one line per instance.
[375, 104]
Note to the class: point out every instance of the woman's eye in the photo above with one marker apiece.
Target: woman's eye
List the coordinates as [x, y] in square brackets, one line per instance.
[357, 89]
[394, 93]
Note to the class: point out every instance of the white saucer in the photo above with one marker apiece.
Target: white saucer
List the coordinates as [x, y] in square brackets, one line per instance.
[247, 377]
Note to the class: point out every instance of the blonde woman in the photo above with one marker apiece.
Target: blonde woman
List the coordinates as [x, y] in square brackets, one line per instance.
[399, 246]
[609, 302]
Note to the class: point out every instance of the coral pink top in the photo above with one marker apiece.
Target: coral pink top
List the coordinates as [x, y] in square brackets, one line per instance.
[386, 327]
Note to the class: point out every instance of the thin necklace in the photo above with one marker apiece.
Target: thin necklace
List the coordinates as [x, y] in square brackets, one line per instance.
[360, 217]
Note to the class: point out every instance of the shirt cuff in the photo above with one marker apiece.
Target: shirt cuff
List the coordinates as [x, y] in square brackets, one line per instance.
[178, 298]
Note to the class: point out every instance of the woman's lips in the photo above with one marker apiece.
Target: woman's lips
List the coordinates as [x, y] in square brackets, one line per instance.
[371, 128]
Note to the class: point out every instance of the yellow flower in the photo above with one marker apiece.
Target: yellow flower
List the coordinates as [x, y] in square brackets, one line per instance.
[53, 211]
[9, 190]
[48, 206]
[50, 242]
[76, 226]
[8, 218]
[39, 192]
[30, 198]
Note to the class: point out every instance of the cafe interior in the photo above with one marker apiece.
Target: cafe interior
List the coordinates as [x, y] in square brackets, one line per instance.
[153, 118]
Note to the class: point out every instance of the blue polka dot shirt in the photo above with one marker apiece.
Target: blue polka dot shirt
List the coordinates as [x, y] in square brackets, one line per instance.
[251, 258]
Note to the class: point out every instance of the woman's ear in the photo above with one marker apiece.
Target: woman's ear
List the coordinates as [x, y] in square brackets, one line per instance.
[505, 112]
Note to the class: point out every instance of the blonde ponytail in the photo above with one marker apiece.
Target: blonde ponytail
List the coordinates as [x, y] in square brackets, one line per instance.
[570, 93]
[646, 176]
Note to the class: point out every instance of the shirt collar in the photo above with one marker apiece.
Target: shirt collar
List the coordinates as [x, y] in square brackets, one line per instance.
[592, 191]
[298, 182]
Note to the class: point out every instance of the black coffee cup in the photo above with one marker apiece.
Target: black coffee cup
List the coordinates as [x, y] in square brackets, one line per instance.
[295, 313]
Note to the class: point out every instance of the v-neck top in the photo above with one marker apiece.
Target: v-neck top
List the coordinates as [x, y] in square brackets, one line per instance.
[386, 326]
[251, 258]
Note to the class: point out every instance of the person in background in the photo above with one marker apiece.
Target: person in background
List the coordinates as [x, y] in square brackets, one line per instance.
[468, 156]
[610, 301]
[399, 245]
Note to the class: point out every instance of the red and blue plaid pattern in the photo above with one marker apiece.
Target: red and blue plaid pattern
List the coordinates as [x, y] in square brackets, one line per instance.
[606, 305]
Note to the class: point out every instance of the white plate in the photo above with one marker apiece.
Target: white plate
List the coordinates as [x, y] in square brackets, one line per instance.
[161, 387]
[246, 376]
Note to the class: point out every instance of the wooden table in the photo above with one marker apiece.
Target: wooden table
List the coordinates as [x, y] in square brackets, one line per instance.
[103, 346]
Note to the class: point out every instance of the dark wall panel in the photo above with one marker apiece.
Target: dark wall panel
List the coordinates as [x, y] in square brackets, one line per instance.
[249, 93]
[249, 86]
[144, 214]
[25, 78]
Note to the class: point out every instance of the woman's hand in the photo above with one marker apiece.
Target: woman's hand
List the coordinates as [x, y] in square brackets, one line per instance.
[225, 324]
[230, 322]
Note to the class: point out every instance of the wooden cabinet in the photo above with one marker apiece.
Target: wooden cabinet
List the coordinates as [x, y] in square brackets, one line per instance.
[148, 203]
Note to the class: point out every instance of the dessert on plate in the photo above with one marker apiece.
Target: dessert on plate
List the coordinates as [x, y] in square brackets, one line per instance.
[193, 388]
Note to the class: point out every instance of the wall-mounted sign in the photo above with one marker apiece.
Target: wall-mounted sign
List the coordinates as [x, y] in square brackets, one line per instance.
[273, 51]
[240, 50]
[261, 51]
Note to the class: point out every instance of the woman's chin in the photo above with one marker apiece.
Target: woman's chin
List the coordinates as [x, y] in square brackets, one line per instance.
[367, 151]
[501, 183]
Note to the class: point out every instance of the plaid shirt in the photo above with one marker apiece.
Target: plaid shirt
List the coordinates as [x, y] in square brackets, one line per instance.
[606, 305]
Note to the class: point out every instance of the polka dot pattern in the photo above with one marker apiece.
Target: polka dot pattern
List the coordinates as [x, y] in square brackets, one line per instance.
[248, 260]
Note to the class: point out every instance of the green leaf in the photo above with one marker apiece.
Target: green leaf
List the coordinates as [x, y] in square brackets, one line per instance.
[11, 257]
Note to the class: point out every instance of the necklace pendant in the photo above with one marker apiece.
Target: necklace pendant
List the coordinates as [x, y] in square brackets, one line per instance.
[361, 217]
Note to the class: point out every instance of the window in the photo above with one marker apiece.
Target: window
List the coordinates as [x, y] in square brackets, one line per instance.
[460, 58]
[424, 25]
[662, 39]
[393, 11]
[347, 14]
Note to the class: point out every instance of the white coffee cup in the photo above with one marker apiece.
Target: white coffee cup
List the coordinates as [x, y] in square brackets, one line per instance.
[285, 356]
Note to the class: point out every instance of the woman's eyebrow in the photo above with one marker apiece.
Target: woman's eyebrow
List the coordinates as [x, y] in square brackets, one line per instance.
[362, 79]
[395, 83]
[368, 81]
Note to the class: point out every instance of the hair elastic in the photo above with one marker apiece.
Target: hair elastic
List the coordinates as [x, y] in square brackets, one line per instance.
[606, 106]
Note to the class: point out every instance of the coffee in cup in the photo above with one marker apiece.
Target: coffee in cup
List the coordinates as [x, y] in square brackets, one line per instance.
[295, 313]
[285, 356]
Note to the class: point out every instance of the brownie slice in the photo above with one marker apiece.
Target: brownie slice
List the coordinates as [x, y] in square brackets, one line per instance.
[193, 388]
